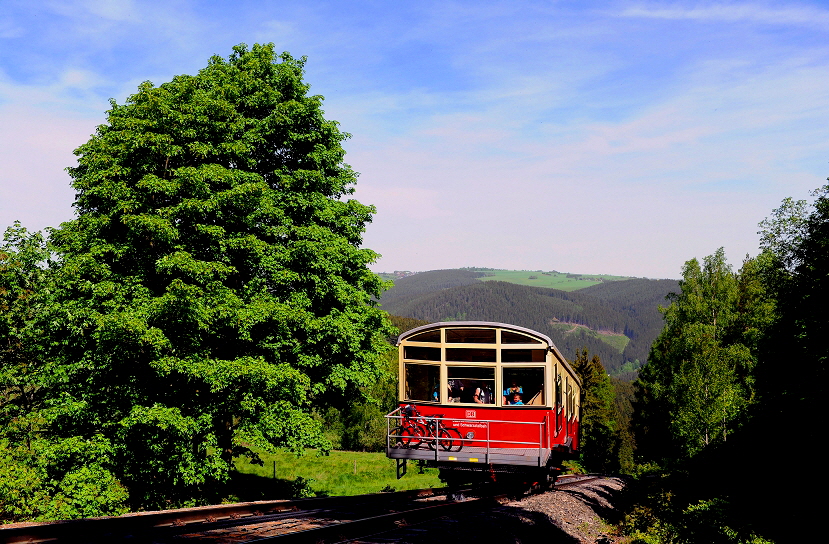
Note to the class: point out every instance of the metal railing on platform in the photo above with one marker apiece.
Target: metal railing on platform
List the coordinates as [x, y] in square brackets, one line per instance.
[426, 429]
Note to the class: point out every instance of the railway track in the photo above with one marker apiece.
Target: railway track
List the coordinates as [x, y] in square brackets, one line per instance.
[318, 520]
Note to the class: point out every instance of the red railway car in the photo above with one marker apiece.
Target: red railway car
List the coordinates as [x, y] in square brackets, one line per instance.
[483, 400]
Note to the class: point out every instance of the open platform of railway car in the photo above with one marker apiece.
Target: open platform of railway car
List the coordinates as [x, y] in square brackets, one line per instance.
[480, 394]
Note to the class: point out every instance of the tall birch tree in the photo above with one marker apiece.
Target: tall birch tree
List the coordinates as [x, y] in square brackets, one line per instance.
[699, 380]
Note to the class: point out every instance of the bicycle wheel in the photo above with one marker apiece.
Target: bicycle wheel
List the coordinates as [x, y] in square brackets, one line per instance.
[419, 433]
[425, 433]
[455, 442]
[445, 440]
[401, 437]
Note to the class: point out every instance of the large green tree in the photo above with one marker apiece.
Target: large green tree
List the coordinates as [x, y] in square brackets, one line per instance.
[213, 289]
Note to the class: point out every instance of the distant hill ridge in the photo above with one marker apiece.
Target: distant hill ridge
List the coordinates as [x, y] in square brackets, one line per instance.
[533, 278]
[601, 312]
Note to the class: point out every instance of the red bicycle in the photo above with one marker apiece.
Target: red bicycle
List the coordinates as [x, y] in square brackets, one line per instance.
[416, 429]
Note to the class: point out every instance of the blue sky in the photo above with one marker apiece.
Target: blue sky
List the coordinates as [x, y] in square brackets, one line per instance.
[593, 137]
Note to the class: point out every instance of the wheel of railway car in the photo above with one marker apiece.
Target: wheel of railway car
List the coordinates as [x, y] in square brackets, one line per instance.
[551, 477]
[546, 480]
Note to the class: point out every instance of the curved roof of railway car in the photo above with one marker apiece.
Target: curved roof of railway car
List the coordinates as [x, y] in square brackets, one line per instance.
[473, 324]
[531, 332]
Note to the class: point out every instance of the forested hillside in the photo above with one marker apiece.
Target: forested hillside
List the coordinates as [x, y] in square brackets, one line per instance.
[616, 320]
[428, 282]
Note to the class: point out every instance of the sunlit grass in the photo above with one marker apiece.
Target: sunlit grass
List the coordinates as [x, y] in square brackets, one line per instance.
[339, 473]
[554, 280]
[616, 341]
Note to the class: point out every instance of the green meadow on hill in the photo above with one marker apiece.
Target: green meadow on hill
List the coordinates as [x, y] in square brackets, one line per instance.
[614, 339]
[550, 279]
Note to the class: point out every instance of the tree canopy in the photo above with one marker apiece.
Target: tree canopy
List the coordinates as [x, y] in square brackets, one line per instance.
[212, 290]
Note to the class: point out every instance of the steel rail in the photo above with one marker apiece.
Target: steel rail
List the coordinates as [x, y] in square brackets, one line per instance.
[577, 480]
[350, 530]
[188, 520]
[374, 525]
[169, 523]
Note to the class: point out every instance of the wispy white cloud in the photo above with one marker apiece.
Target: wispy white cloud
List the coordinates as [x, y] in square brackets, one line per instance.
[530, 135]
[687, 174]
[731, 12]
[114, 10]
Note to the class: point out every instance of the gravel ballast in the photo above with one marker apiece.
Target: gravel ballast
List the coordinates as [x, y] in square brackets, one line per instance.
[571, 515]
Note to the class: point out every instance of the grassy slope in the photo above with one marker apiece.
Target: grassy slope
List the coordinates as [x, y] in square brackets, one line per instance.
[614, 340]
[553, 280]
[327, 475]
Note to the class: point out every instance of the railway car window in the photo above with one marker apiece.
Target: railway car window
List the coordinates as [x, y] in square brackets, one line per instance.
[471, 384]
[428, 336]
[523, 355]
[422, 382]
[523, 387]
[470, 336]
[558, 392]
[422, 353]
[509, 337]
[470, 355]
[558, 402]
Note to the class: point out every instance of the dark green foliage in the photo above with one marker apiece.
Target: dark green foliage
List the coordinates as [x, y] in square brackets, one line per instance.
[669, 510]
[623, 405]
[758, 338]
[627, 307]
[403, 324]
[363, 424]
[212, 291]
[792, 374]
[40, 477]
[698, 399]
[598, 426]
[803, 328]
[427, 282]
[23, 279]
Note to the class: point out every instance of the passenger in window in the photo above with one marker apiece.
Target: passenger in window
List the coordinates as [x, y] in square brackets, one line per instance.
[511, 390]
[516, 400]
[469, 394]
[458, 391]
[477, 395]
[481, 395]
[486, 395]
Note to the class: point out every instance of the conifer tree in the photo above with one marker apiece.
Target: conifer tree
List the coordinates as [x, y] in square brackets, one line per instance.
[598, 414]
